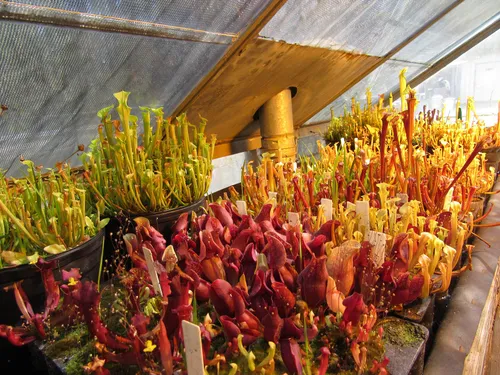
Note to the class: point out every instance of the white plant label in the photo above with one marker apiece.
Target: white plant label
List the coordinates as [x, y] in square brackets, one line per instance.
[274, 197]
[378, 240]
[363, 210]
[194, 351]
[152, 271]
[351, 206]
[342, 142]
[327, 208]
[242, 207]
[293, 218]
[294, 166]
[447, 200]
[403, 197]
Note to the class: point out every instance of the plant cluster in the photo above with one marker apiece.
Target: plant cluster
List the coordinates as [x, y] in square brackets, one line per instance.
[44, 212]
[439, 131]
[421, 202]
[170, 168]
[265, 295]
[358, 124]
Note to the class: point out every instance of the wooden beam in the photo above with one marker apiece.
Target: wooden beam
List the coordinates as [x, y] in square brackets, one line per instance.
[235, 49]
[237, 145]
[479, 354]
[264, 69]
[244, 79]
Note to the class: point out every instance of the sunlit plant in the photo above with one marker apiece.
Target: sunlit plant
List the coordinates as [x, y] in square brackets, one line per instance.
[170, 167]
[42, 215]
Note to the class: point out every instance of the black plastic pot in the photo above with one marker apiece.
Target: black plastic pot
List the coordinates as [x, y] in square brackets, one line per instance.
[477, 206]
[162, 221]
[86, 257]
[493, 159]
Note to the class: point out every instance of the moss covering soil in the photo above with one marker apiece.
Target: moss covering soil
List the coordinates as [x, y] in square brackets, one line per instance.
[72, 350]
[401, 333]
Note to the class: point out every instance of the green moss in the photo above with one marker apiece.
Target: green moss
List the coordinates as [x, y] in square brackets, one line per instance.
[401, 333]
[75, 365]
[72, 350]
[67, 344]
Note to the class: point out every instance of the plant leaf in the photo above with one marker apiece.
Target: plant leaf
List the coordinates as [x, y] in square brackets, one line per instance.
[13, 258]
[103, 113]
[102, 223]
[55, 249]
[89, 223]
[33, 258]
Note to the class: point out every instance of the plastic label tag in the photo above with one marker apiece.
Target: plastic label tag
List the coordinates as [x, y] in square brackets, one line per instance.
[152, 271]
[327, 207]
[242, 207]
[378, 240]
[363, 210]
[194, 351]
[293, 218]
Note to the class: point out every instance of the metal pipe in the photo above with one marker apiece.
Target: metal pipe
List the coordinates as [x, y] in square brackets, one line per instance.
[276, 126]
[61, 17]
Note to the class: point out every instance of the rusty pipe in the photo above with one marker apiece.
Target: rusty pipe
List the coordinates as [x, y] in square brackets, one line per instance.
[276, 127]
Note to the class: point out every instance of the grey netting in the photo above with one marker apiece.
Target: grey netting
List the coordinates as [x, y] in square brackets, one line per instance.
[55, 79]
[208, 15]
[450, 30]
[458, 25]
[371, 27]
[382, 80]
[476, 73]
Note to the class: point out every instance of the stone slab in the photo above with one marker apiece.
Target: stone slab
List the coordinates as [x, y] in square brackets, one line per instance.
[458, 329]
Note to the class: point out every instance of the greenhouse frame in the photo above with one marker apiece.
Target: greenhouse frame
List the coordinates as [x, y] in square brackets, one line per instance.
[259, 186]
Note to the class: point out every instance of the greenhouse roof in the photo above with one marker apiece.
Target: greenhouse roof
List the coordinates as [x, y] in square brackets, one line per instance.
[61, 61]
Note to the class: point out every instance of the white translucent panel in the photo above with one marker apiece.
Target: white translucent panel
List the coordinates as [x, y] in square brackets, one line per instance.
[54, 80]
[227, 170]
[370, 27]
[308, 145]
[443, 36]
[383, 80]
[476, 73]
[209, 15]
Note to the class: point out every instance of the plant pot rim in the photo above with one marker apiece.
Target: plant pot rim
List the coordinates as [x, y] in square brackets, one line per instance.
[491, 150]
[16, 273]
[198, 202]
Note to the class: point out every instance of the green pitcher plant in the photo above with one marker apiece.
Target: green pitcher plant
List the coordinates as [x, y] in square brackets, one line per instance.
[168, 166]
[43, 215]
